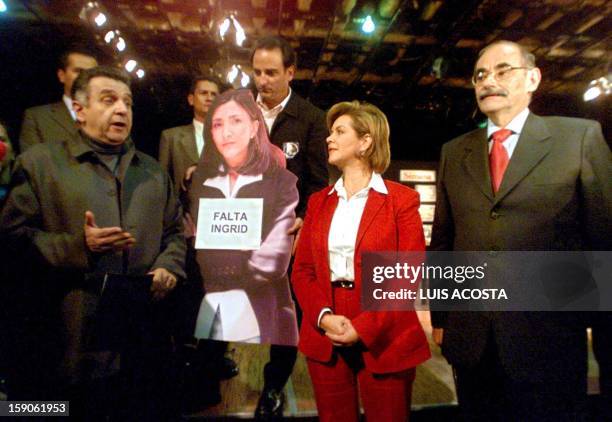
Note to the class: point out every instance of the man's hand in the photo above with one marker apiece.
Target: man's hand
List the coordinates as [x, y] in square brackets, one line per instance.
[295, 229]
[347, 338]
[105, 239]
[187, 177]
[438, 335]
[163, 282]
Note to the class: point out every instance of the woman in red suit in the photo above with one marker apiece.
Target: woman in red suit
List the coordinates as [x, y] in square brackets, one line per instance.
[345, 346]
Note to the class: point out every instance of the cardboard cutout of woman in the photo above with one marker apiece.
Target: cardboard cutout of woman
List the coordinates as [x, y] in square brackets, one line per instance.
[242, 202]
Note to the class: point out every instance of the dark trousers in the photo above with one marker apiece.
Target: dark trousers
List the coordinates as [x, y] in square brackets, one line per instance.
[486, 393]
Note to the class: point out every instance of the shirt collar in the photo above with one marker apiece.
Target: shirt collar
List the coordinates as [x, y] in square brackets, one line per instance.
[278, 108]
[222, 182]
[376, 182]
[68, 102]
[199, 126]
[515, 125]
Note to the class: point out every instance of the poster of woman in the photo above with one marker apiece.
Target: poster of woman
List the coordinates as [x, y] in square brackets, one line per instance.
[241, 200]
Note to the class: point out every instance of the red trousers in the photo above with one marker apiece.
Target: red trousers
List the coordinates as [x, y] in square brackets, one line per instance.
[339, 384]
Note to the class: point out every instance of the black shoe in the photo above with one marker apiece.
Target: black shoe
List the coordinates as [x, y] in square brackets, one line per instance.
[227, 369]
[270, 406]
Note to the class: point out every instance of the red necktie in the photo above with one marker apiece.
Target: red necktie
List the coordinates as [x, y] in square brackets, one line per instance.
[498, 159]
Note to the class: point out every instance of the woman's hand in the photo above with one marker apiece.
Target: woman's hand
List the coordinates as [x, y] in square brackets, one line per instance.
[339, 330]
[347, 338]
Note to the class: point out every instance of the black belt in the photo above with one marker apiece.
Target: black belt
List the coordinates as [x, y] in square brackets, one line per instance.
[345, 284]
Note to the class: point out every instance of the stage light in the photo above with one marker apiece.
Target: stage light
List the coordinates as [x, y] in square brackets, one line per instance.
[596, 88]
[131, 65]
[140, 73]
[227, 24]
[232, 74]
[244, 81]
[3, 7]
[100, 19]
[368, 25]
[112, 37]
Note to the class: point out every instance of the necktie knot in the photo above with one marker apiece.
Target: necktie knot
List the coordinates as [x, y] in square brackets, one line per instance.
[501, 135]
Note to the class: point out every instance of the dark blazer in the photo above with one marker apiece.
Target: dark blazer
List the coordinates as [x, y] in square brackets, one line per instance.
[556, 195]
[302, 122]
[53, 185]
[393, 340]
[261, 273]
[177, 152]
[50, 122]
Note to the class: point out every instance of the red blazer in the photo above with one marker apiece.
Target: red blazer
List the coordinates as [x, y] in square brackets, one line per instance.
[394, 340]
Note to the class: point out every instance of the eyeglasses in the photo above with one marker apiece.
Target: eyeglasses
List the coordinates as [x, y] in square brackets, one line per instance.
[501, 74]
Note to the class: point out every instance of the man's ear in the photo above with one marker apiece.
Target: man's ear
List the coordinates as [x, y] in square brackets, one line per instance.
[61, 75]
[190, 99]
[534, 77]
[290, 72]
[79, 110]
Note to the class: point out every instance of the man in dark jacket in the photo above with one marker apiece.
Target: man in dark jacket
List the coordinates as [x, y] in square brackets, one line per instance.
[298, 128]
[80, 211]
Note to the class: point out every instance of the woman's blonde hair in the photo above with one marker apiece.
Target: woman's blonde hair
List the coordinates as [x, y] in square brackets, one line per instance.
[367, 119]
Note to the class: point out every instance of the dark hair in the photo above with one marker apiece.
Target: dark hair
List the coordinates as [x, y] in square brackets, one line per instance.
[80, 86]
[63, 59]
[528, 58]
[200, 78]
[270, 43]
[260, 155]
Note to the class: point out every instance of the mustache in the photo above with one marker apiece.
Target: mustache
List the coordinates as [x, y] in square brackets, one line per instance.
[487, 92]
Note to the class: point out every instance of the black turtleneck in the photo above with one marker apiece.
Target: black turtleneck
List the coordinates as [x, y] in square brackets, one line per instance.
[108, 154]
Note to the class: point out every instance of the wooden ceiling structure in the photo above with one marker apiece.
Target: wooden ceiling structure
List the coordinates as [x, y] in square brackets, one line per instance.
[416, 43]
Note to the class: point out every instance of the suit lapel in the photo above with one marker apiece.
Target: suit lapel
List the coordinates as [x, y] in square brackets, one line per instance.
[62, 116]
[533, 145]
[325, 218]
[476, 162]
[373, 205]
[188, 142]
[290, 110]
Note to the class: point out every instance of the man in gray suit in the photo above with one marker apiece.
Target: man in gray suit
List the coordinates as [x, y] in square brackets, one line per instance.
[56, 121]
[544, 185]
[180, 147]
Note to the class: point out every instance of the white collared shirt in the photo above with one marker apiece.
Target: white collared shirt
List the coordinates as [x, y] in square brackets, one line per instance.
[68, 101]
[270, 114]
[198, 129]
[345, 225]
[515, 125]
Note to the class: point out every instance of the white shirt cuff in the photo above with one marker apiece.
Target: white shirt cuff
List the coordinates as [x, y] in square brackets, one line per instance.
[323, 312]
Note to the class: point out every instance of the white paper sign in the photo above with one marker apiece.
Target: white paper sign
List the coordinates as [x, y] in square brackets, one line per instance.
[233, 223]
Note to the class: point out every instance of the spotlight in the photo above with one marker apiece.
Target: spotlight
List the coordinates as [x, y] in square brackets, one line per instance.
[227, 24]
[598, 87]
[368, 25]
[232, 74]
[244, 81]
[140, 73]
[92, 13]
[100, 19]
[3, 7]
[130, 65]
[113, 37]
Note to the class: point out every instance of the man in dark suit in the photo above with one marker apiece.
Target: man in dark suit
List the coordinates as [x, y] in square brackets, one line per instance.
[544, 185]
[298, 128]
[56, 121]
[180, 147]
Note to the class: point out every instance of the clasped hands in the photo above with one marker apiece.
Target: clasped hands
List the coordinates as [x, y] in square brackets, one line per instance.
[105, 239]
[339, 330]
